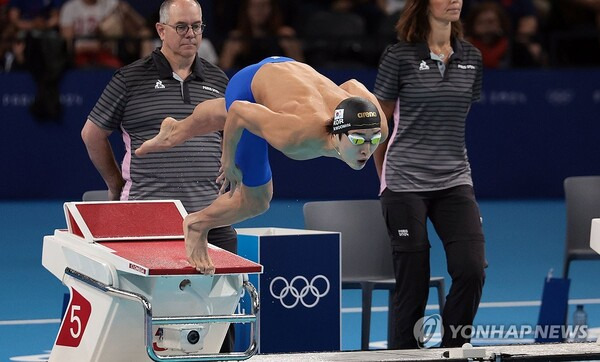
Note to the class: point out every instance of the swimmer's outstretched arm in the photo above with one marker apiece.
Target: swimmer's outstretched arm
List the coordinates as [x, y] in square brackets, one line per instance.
[208, 116]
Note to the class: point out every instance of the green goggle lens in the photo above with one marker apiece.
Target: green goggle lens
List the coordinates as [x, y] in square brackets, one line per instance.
[359, 140]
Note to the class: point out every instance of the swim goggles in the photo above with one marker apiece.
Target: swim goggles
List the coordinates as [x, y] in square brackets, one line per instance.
[359, 140]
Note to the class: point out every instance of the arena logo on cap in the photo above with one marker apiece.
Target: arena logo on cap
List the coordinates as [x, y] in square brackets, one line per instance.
[366, 114]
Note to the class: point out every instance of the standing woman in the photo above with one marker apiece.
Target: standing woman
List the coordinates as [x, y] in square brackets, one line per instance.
[427, 82]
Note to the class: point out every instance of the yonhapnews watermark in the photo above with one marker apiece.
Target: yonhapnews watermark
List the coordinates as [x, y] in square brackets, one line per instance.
[429, 326]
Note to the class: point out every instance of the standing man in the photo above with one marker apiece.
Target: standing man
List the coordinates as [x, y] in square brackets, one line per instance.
[169, 82]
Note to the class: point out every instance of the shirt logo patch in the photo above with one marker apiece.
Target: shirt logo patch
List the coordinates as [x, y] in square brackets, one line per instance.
[210, 89]
[403, 232]
[423, 66]
[159, 85]
[467, 66]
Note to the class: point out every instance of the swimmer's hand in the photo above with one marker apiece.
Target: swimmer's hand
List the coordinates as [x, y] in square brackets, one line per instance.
[164, 140]
[229, 176]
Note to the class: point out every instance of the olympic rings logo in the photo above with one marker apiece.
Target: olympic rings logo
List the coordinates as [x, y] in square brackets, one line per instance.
[299, 288]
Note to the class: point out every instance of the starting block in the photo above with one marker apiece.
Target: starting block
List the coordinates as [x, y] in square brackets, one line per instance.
[134, 297]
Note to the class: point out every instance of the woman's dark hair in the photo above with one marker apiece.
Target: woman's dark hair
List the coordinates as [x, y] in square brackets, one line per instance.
[413, 25]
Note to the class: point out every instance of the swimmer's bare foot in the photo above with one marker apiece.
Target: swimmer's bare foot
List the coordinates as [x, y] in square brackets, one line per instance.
[197, 254]
[164, 140]
[196, 244]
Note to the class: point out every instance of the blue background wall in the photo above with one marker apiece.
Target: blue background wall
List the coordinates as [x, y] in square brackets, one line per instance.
[530, 131]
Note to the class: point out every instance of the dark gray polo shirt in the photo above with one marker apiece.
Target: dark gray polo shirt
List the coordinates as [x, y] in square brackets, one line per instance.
[137, 99]
[426, 149]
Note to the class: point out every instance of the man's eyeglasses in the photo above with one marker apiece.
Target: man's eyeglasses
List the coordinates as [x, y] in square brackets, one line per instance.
[182, 29]
[359, 140]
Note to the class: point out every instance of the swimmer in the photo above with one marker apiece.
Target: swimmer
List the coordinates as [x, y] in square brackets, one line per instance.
[288, 105]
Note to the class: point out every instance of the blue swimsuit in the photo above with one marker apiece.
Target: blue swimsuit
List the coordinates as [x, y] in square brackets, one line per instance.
[252, 155]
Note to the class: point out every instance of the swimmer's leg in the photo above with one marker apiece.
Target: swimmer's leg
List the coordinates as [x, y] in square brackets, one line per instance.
[247, 202]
